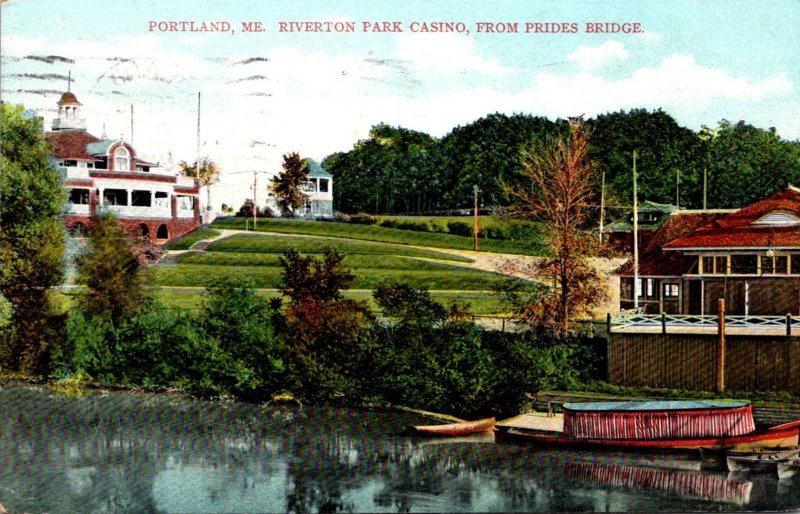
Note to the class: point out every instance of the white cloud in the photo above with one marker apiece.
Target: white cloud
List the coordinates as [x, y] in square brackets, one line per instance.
[318, 102]
[677, 84]
[595, 57]
[445, 53]
[17, 45]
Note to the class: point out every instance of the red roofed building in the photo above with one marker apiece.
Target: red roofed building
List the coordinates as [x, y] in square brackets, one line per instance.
[750, 257]
[106, 175]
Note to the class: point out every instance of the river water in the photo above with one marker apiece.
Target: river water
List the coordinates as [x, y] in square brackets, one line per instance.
[139, 452]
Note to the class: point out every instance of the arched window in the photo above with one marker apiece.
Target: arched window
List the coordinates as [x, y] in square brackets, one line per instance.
[144, 230]
[77, 230]
[162, 232]
[122, 159]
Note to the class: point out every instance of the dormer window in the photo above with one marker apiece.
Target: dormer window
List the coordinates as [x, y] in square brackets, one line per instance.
[122, 159]
[778, 219]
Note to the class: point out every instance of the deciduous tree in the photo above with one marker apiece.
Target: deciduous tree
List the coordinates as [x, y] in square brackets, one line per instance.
[31, 240]
[110, 270]
[287, 185]
[560, 186]
[206, 171]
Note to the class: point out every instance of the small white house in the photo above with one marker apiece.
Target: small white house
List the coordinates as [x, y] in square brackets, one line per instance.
[319, 192]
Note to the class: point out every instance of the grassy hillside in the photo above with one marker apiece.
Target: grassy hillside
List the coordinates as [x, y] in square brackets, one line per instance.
[257, 256]
[528, 241]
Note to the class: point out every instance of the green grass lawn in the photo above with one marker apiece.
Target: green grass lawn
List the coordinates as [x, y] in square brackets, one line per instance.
[186, 242]
[478, 304]
[426, 275]
[383, 234]
[375, 255]
[248, 243]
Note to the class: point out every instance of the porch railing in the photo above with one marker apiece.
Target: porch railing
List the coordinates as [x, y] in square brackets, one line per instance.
[788, 323]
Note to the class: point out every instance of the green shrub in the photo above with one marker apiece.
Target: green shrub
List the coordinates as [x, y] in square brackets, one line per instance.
[363, 219]
[459, 228]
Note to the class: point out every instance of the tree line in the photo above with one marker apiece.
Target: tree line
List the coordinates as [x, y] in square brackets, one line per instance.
[398, 170]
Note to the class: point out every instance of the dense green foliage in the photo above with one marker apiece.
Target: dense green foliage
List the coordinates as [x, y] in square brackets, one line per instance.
[664, 149]
[322, 346]
[742, 154]
[397, 170]
[110, 270]
[287, 185]
[31, 242]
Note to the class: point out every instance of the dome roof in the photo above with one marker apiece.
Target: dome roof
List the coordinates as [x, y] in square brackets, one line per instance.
[68, 98]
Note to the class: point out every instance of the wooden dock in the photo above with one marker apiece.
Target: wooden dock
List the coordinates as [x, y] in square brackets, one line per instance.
[535, 421]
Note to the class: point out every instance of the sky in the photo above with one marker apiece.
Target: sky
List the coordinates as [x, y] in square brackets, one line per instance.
[280, 88]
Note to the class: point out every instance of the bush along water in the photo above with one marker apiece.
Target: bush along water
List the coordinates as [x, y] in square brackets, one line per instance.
[323, 348]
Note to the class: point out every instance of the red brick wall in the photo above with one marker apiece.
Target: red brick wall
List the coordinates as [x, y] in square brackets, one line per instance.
[175, 228]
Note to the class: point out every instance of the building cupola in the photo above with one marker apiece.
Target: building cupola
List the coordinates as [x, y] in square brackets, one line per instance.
[69, 113]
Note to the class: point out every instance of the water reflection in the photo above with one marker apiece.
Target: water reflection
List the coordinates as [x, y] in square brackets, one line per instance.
[131, 452]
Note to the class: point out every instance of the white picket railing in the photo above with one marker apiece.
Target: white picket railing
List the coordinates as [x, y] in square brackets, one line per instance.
[636, 319]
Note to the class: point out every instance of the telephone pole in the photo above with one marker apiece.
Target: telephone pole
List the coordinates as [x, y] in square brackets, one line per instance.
[602, 204]
[475, 191]
[255, 205]
[636, 287]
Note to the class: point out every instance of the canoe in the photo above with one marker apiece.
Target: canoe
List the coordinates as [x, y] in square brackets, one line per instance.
[656, 426]
[756, 459]
[456, 429]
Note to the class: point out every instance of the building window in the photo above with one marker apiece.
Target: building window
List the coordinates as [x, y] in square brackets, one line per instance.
[185, 202]
[115, 197]
[707, 264]
[122, 159]
[721, 264]
[781, 264]
[671, 290]
[162, 199]
[774, 264]
[646, 286]
[795, 264]
[323, 185]
[767, 267]
[744, 264]
[141, 198]
[79, 196]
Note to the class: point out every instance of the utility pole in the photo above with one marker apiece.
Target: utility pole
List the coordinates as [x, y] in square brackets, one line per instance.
[255, 205]
[602, 204]
[678, 190]
[721, 345]
[635, 240]
[197, 160]
[475, 191]
[131, 124]
[705, 187]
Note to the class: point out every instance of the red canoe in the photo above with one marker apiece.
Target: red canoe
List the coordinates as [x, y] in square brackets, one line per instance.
[457, 429]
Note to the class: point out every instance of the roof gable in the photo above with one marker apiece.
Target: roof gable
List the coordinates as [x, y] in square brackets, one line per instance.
[763, 224]
[778, 219]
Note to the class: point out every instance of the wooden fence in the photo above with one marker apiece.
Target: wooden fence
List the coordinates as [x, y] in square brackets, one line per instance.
[689, 361]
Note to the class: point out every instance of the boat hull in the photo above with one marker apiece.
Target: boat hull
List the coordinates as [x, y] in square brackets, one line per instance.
[456, 429]
[775, 437]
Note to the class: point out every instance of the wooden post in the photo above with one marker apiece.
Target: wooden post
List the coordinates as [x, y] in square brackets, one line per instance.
[721, 345]
[788, 325]
[663, 323]
[475, 229]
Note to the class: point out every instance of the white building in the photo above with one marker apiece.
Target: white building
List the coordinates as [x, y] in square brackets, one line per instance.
[106, 175]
